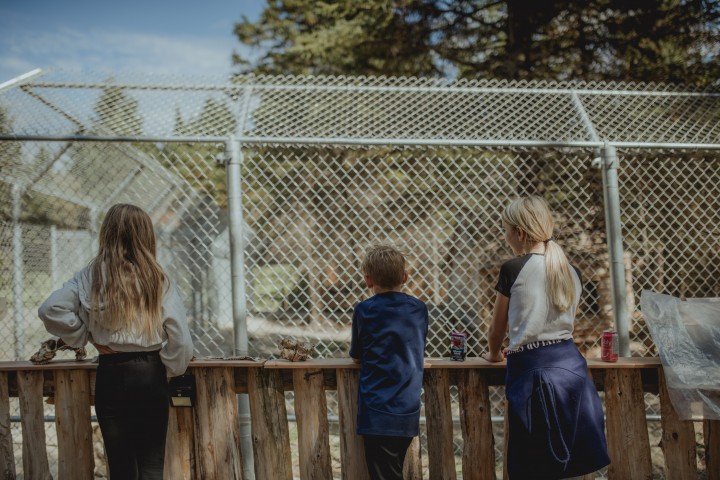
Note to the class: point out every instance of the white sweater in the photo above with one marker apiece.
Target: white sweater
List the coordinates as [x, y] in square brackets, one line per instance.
[67, 314]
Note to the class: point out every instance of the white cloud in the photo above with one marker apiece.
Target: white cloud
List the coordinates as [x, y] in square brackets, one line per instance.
[97, 50]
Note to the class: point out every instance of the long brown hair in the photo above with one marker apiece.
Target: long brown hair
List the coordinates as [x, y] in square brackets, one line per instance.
[532, 214]
[127, 280]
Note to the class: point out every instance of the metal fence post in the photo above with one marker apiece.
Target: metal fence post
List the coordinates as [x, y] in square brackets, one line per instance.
[239, 300]
[613, 228]
[237, 251]
[53, 258]
[18, 277]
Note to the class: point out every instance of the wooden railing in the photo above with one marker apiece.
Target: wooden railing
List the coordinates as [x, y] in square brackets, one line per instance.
[204, 441]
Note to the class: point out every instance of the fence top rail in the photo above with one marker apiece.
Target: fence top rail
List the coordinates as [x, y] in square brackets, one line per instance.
[406, 142]
[333, 363]
[273, 84]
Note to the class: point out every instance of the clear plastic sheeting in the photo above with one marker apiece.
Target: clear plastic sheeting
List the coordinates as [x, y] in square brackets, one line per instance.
[687, 336]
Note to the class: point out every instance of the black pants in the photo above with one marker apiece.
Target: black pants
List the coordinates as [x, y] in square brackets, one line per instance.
[131, 403]
[385, 456]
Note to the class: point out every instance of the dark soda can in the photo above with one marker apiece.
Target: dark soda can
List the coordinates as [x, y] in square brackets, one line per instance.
[458, 341]
[609, 346]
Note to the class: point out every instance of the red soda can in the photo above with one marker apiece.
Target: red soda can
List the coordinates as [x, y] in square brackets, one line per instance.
[610, 346]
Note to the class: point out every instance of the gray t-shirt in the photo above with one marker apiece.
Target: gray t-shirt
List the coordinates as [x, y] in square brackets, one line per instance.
[531, 316]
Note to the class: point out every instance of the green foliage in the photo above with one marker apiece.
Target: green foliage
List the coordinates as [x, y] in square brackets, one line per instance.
[347, 36]
[10, 152]
[117, 112]
[610, 40]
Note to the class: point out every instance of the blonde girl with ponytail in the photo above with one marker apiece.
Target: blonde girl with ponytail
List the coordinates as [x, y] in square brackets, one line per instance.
[556, 425]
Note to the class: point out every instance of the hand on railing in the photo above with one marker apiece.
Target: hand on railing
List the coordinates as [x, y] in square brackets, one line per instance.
[494, 357]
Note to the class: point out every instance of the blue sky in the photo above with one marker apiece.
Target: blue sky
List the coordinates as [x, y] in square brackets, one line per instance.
[151, 36]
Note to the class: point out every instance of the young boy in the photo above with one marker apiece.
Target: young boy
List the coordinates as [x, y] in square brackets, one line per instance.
[388, 340]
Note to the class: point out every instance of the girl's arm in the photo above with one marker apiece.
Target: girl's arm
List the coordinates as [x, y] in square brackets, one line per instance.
[498, 327]
[178, 350]
[60, 314]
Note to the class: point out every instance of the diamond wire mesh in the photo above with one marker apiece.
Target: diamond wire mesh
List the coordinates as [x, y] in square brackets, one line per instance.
[71, 200]
[362, 107]
[670, 202]
[313, 210]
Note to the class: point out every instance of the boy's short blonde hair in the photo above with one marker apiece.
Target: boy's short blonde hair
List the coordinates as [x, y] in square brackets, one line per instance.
[385, 265]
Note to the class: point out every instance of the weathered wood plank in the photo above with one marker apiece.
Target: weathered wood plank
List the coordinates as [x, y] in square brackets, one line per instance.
[270, 433]
[506, 437]
[441, 455]
[32, 415]
[478, 442]
[330, 363]
[7, 456]
[217, 432]
[72, 422]
[352, 448]
[179, 451]
[627, 433]
[312, 422]
[711, 439]
[678, 439]
[412, 469]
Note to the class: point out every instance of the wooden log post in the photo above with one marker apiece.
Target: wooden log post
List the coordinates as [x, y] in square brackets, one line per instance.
[270, 433]
[412, 469]
[217, 431]
[312, 423]
[7, 456]
[72, 422]
[678, 438]
[711, 439]
[506, 437]
[32, 415]
[627, 433]
[352, 448]
[441, 455]
[179, 452]
[478, 442]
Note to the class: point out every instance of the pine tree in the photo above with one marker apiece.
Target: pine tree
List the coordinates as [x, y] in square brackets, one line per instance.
[610, 40]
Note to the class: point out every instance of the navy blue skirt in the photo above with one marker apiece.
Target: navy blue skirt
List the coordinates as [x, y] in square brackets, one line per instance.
[555, 417]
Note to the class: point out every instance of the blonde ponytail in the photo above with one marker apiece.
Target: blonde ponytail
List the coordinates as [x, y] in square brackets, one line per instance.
[532, 215]
[560, 278]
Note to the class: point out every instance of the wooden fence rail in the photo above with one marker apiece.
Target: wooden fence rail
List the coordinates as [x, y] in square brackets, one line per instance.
[204, 441]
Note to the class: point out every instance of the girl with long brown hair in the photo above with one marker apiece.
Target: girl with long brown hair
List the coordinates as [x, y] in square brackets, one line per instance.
[124, 304]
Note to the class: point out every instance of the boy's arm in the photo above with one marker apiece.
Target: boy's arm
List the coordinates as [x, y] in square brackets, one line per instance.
[354, 342]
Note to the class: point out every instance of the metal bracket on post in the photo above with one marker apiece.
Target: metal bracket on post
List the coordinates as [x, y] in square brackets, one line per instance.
[611, 193]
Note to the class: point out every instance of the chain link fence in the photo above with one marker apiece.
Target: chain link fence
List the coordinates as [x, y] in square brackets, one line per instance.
[331, 165]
